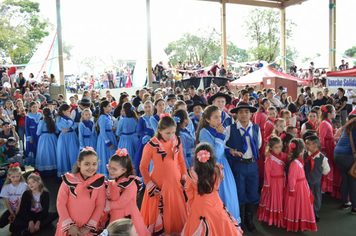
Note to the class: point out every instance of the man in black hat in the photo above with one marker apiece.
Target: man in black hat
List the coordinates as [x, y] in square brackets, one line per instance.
[243, 141]
[220, 100]
[195, 113]
[193, 96]
[77, 112]
[171, 99]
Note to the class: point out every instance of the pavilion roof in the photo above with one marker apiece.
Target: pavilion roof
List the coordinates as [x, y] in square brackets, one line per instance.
[281, 4]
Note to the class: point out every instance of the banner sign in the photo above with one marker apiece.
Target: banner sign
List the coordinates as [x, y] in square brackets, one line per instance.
[341, 82]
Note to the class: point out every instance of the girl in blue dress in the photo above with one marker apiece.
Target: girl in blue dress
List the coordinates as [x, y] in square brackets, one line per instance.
[31, 123]
[107, 142]
[68, 144]
[211, 131]
[86, 131]
[127, 128]
[145, 131]
[181, 117]
[158, 110]
[46, 161]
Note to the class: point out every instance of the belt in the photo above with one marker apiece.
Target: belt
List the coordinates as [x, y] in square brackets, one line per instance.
[128, 133]
[301, 179]
[86, 136]
[277, 176]
[108, 130]
[246, 161]
[32, 127]
[44, 132]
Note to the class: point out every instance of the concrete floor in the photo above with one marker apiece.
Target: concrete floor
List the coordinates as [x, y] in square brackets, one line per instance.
[334, 221]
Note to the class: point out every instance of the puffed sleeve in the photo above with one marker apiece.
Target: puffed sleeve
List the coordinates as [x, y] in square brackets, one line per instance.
[268, 169]
[292, 178]
[27, 129]
[119, 127]
[181, 162]
[145, 163]
[102, 124]
[80, 134]
[154, 123]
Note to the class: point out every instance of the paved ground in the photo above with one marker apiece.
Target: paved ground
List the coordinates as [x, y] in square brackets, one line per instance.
[334, 221]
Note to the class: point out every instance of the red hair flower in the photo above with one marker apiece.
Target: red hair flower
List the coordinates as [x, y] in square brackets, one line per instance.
[14, 165]
[292, 146]
[275, 121]
[35, 173]
[324, 109]
[121, 152]
[203, 156]
[283, 135]
[164, 115]
[89, 148]
[268, 138]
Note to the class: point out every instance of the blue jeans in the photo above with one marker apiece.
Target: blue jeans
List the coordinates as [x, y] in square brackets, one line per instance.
[123, 81]
[21, 132]
[48, 97]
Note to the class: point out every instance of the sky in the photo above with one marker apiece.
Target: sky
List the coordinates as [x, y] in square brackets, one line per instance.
[118, 27]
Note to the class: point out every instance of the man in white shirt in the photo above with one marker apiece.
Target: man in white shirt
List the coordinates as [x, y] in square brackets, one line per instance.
[301, 74]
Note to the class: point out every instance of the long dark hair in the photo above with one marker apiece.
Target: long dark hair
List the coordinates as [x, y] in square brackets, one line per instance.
[164, 123]
[103, 104]
[129, 113]
[349, 126]
[62, 108]
[182, 115]
[51, 128]
[207, 172]
[264, 100]
[82, 154]
[125, 162]
[296, 152]
[208, 111]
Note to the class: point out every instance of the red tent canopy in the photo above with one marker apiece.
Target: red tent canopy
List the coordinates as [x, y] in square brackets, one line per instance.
[343, 73]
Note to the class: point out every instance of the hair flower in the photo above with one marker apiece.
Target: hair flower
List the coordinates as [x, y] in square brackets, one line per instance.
[292, 146]
[176, 119]
[324, 109]
[35, 173]
[203, 156]
[268, 138]
[283, 135]
[121, 152]
[16, 164]
[164, 115]
[132, 108]
[275, 121]
[50, 116]
[89, 148]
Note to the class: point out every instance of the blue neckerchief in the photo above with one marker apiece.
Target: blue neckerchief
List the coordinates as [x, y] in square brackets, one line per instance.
[156, 117]
[223, 114]
[196, 119]
[212, 131]
[185, 131]
[252, 143]
[88, 124]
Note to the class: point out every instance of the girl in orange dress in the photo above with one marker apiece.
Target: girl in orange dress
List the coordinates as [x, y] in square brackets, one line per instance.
[164, 207]
[121, 192]
[298, 199]
[81, 197]
[270, 209]
[331, 181]
[208, 214]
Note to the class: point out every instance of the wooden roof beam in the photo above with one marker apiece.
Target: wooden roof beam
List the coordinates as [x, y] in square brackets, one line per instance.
[289, 3]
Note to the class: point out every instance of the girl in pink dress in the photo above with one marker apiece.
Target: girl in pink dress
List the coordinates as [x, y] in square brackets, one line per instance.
[327, 144]
[270, 209]
[298, 199]
[122, 191]
[81, 197]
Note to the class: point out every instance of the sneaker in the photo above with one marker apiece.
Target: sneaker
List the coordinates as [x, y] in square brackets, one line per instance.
[25, 232]
[346, 206]
[317, 218]
[353, 211]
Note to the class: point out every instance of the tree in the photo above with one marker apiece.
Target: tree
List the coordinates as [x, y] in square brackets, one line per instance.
[21, 30]
[204, 46]
[67, 49]
[263, 29]
[351, 52]
[91, 63]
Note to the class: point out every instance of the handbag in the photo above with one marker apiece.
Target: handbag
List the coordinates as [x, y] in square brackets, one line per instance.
[352, 171]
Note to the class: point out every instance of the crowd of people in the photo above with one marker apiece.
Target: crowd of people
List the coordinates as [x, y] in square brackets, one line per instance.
[206, 159]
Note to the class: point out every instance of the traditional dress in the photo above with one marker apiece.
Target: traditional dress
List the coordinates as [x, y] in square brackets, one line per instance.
[327, 144]
[188, 142]
[195, 122]
[260, 119]
[154, 122]
[31, 123]
[208, 214]
[80, 202]
[67, 146]
[46, 160]
[145, 131]
[298, 200]
[126, 130]
[122, 194]
[166, 212]
[227, 189]
[87, 134]
[270, 209]
[106, 138]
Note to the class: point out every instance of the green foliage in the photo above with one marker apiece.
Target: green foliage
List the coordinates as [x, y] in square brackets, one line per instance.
[203, 46]
[21, 30]
[351, 52]
[263, 28]
[67, 49]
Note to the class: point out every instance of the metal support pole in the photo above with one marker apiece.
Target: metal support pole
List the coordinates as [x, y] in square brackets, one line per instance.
[283, 39]
[60, 48]
[149, 55]
[223, 32]
[332, 34]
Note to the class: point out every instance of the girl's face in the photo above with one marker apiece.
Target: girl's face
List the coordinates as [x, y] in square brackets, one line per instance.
[332, 114]
[266, 105]
[67, 113]
[312, 117]
[72, 100]
[160, 107]
[320, 96]
[19, 104]
[148, 98]
[277, 148]
[280, 127]
[168, 133]
[34, 109]
[86, 115]
[33, 184]
[197, 110]
[271, 115]
[15, 178]
[284, 96]
[287, 118]
[107, 109]
[8, 104]
[88, 166]
[148, 109]
[215, 119]
[115, 169]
